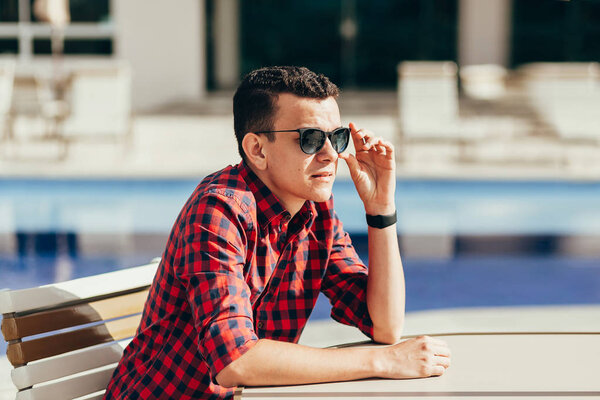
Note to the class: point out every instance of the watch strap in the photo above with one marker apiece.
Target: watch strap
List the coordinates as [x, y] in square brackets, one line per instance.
[381, 221]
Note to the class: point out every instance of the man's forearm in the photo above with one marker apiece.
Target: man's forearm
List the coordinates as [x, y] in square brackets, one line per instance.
[385, 290]
[271, 362]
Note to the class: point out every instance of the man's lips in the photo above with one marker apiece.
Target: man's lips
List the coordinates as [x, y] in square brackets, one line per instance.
[322, 175]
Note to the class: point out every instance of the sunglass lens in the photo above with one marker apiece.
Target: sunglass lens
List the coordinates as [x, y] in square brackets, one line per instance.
[340, 139]
[312, 141]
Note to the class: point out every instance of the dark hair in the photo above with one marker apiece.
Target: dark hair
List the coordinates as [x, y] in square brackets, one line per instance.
[255, 101]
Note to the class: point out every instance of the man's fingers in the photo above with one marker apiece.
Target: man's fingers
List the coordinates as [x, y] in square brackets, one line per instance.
[365, 141]
[437, 370]
[377, 145]
[384, 148]
[360, 138]
[357, 136]
[352, 163]
[389, 148]
[441, 351]
[443, 361]
[372, 143]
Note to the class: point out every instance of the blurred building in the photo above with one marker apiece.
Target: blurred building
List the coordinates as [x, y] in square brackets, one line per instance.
[178, 52]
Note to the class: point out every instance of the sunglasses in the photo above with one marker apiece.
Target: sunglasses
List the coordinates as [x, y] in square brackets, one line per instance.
[312, 140]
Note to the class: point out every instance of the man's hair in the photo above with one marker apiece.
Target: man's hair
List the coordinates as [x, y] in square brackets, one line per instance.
[255, 101]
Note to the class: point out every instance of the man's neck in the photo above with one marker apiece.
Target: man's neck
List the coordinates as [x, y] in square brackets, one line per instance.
[291, 206]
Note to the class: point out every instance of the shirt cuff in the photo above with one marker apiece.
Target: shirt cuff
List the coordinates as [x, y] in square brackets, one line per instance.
[227, 340]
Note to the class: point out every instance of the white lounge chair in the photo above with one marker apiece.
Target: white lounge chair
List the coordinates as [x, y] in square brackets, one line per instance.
[566, 96]
[484, 81]
[100, 104]
[428, 100]
[7, 74]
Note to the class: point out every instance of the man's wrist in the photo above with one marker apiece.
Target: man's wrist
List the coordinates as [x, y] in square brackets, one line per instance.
[374, 361]
[385, 209]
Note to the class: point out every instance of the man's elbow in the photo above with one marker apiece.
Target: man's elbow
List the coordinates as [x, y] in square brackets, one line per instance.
[388, 335]
[230, 376]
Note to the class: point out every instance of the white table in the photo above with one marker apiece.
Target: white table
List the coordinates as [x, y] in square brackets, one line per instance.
[484, 366]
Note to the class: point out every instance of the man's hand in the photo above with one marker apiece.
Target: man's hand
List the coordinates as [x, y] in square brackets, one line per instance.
[373, 170]
[414, 358]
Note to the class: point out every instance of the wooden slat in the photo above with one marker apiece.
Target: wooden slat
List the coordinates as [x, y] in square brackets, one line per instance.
[47, 321]
[23, 352]
[76, 290]
[76, 386]
[67, 364]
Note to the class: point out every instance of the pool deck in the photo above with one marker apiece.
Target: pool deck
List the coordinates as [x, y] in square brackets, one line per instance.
[557, 319]
[192, 140]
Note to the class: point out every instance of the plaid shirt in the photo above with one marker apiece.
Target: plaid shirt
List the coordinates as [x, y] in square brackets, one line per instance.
[236, 268]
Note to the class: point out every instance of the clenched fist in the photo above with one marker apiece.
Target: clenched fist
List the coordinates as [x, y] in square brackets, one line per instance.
[414, 358]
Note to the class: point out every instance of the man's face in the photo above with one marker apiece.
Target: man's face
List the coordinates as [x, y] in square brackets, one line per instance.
[295, 176]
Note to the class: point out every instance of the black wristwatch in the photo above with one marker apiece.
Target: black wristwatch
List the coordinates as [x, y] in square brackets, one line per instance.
[381, 221]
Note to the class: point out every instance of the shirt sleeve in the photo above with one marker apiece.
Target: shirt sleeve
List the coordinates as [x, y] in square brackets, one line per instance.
[211, 267]
[345, 282]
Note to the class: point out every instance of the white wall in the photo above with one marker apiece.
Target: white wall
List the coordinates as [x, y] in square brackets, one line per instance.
[164, 41]
[484, 32]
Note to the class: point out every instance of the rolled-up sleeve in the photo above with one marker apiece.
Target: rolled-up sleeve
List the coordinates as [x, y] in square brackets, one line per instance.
[345, 282]
[211, 265]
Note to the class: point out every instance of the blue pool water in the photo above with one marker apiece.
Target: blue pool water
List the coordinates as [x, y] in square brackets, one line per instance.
[424, 206]
[54, 230]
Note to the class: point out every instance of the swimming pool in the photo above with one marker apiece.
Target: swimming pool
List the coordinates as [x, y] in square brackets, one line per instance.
[478, 242]
[424, 206]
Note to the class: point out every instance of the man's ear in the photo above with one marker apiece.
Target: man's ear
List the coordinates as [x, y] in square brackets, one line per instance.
[253, 146]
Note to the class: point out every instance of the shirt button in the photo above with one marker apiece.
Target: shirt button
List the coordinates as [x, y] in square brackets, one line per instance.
[259, 325]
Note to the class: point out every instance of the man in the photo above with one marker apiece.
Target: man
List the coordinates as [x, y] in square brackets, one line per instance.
[256, 243]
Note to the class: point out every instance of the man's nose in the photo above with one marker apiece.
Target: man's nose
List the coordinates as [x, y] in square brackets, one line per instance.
[327, 153]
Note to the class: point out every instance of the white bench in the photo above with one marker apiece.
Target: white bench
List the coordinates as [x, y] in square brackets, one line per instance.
[65, 339]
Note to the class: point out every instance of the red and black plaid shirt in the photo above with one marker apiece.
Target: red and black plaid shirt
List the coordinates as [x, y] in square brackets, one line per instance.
[236, 269]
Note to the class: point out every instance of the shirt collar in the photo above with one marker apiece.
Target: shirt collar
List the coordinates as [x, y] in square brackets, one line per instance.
[269, 208]
[270, 211]
[307, 214]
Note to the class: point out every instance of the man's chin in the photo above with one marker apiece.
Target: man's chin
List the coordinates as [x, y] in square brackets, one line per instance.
[321, 196]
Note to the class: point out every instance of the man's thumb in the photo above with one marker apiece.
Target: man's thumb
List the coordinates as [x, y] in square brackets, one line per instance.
[352, 163]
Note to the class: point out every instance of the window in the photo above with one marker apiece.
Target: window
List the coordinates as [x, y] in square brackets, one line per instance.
[354, 42]
[90, 31]
[553, 30]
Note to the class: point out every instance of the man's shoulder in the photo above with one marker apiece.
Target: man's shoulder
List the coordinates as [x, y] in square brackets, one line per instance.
[228, 184]
[225, 187]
